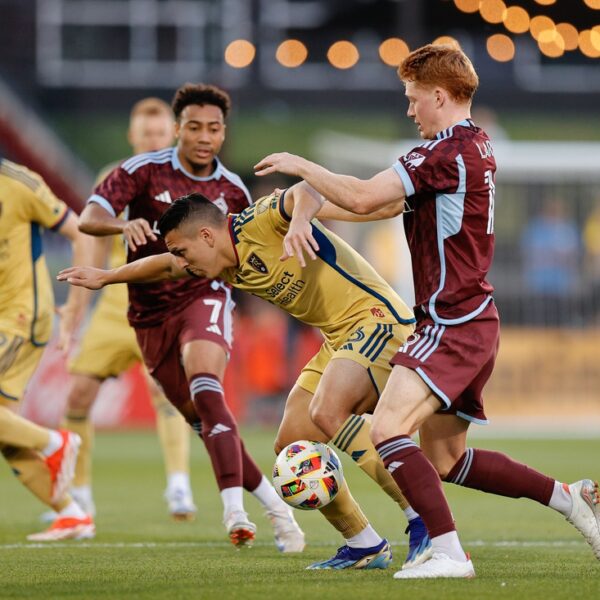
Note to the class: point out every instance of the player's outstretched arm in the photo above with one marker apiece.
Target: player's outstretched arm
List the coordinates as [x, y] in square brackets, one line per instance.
[359, 196]
[145, 270]
[96, 220]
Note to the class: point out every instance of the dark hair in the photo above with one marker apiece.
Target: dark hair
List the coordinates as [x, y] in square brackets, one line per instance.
[191, 207]
[202, 94]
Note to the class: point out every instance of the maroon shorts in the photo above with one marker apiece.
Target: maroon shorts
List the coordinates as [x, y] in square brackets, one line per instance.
[455, 361]
[209, 318]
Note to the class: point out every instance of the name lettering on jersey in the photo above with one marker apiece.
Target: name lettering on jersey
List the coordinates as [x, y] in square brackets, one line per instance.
[485, 149]
[257, 264]
[221, 204]
[164, 197]
[291, 287]
[413, 160]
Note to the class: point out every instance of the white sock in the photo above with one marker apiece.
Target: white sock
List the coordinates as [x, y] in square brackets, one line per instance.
[178, 480]
[265, 493]
[72, 510]
[449, 544]
[54, 444]
[411, 513]
[367, 538]
[232, 499]
[561, 499]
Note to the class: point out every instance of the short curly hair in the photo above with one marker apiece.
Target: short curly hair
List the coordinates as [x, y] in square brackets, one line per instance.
[202, 94]
[441, 65]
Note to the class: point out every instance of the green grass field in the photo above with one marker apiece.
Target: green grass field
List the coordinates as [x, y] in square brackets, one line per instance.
[520, 549]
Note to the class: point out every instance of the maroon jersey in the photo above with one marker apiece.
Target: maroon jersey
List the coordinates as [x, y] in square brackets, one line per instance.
[449, 221]
[144, 186]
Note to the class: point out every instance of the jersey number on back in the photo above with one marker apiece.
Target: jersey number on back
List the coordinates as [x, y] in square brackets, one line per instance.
[489, 179]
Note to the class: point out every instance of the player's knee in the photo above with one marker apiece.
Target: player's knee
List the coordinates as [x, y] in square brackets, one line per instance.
[81, 397]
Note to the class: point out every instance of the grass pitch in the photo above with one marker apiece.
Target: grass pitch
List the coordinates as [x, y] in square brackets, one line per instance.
[520, 549]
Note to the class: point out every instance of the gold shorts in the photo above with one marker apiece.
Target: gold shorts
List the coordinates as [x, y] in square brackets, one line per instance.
[372, 345]
[108, 346]
[19, 357]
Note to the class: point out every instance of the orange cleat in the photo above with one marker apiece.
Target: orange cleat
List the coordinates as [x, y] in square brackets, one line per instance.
[62, 464]
[66, 528]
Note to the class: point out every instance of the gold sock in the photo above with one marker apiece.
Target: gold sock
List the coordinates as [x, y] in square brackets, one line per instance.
[81, 424]
[174, 435]
[20, 432]
[31, 470]
[353, 438]
[345, 514]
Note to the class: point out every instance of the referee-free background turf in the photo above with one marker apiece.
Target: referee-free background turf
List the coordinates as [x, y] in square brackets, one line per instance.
[520, 549]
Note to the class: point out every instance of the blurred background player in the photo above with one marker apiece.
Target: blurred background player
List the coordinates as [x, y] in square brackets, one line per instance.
[184, 328]
[109, 347]
[43, 459]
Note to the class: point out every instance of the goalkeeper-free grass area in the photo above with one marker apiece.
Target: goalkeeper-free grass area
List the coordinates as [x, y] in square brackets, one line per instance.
[520, 549]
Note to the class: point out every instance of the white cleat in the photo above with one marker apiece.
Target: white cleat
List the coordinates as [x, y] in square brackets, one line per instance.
[438, 566]
[288, 535]
[241, 531]
[181, 504]
[585, 514]
[66, 528]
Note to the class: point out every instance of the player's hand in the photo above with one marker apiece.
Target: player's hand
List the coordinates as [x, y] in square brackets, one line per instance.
[67, 327]
[87, 277]
[137, 233]
[299, 239]
[280, 162]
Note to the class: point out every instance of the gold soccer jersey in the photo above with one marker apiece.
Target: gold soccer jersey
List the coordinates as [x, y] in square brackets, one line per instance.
[335, 293]
[26, 298]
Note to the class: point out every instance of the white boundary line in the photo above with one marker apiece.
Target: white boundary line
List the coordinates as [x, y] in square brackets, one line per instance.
[148, 545]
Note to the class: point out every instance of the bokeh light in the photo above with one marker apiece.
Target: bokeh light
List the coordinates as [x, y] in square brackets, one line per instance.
[343, 55]
[569, 34]
[539, 24]
[239, 54]
[500, 47]
[291, 53]
[492, 11]
[589, 43]
[545, 2]
[551, 43]
[446, 40]
[393, 51]
[516, 19]
[595, 4]
[468, 6]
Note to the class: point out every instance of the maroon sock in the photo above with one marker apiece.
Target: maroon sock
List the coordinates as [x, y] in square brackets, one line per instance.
[252, 474]
[419, 482]
[496, 473]
[219, 430]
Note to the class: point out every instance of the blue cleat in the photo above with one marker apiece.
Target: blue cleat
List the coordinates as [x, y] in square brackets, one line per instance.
[419, 544]
[375, 557]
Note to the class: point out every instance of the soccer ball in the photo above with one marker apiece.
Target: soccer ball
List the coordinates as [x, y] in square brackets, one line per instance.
[307, 475]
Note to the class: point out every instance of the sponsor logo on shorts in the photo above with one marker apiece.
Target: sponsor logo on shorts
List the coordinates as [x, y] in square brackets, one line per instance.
[394, 465]
[357, 335]
[377, 312]
[257, 264]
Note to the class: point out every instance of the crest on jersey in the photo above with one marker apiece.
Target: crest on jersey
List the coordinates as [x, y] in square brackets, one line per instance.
[257, 264]
[413, 160]
[221, 204]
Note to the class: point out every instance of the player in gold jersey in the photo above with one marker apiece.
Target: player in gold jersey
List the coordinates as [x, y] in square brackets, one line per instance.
[43, 459]
[109, 346]
[362, 319]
